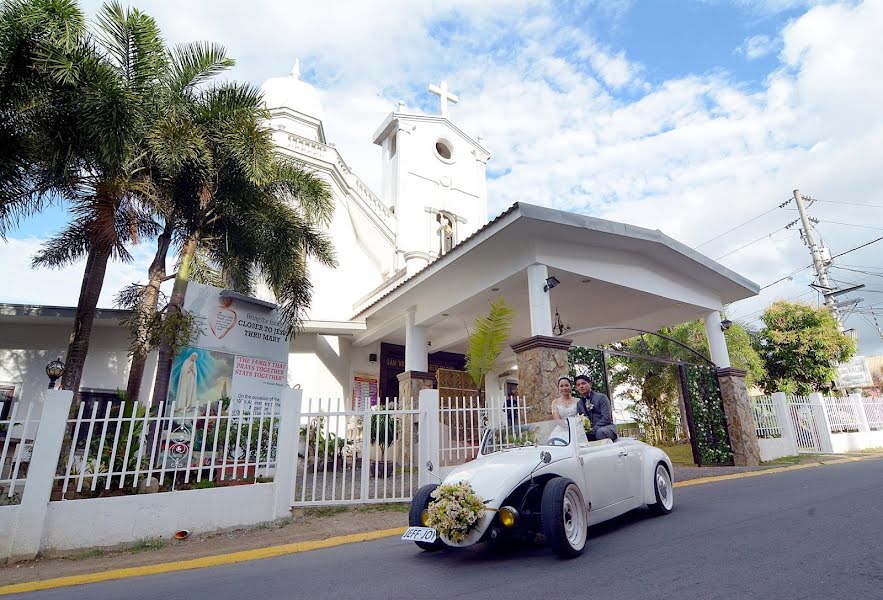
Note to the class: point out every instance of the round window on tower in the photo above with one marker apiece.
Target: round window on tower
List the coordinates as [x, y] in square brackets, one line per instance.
[444, 150]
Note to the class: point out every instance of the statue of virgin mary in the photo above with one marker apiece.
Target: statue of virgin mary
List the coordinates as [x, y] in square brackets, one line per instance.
[185, 396]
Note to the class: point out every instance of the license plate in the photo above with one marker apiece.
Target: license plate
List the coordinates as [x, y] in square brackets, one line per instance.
[420, 534]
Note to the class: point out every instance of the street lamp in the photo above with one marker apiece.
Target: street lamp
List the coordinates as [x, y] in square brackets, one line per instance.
[54, 370]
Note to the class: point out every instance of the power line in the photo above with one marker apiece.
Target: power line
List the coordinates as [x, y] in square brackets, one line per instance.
[853, 225]
[848, 203]
[717, 237]
[857, 248]
[751, 243]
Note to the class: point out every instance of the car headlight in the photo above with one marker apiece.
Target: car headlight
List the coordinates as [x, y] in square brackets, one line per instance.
[508, 516]
[424, 518]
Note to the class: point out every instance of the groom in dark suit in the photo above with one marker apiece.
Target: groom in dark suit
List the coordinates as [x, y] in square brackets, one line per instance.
[596, 406]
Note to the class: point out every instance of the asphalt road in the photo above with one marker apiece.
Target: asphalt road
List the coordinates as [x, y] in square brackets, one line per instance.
[811, 533]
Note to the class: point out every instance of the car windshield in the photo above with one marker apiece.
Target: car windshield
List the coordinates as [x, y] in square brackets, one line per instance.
[542, 433]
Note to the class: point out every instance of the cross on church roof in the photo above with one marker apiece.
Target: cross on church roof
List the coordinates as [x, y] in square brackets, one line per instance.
[444, 95]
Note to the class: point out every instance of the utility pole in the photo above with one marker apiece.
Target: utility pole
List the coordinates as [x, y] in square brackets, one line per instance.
[821, 267]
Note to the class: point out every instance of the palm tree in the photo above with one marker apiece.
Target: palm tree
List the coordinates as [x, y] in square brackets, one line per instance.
[88, 145]
[252, 213]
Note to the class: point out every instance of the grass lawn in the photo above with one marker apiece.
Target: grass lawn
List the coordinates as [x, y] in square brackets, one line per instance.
[680, 454]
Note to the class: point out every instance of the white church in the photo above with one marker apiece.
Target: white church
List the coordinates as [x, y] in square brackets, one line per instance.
[419, 259]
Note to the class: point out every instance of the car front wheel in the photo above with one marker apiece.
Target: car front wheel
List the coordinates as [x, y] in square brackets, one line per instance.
[419, 503]
[564, 517]
[663, 489]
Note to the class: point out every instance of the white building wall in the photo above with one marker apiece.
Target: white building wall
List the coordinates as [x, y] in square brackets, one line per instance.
[25, 350]
[324, 365]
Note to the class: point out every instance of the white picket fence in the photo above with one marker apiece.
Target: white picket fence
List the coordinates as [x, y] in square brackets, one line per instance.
[788, 425]
[129, 444]
[17, 431]
[376, 454]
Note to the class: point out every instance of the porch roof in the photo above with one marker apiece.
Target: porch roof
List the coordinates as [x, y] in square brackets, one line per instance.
[611, 274]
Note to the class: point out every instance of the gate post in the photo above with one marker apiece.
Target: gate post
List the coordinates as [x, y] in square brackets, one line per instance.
[822, 422]
[287, 442]
[740, 417]
[428, 424]
[31, 519]
[366, 450]
[786, 425]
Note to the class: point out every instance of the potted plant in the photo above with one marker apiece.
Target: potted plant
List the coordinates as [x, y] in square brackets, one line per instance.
[384, 429]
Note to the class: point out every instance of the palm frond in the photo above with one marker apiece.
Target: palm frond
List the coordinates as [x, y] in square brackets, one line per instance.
[195, 63]
[487, 340]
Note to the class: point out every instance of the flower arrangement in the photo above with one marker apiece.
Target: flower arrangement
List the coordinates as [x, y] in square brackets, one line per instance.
[587, 424]
[454, 510]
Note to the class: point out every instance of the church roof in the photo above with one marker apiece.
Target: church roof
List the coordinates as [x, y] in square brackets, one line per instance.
[586, 229]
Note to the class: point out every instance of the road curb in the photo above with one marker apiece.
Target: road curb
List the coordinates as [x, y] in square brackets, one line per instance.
[199, 563]
[294, 548]
[714, 478]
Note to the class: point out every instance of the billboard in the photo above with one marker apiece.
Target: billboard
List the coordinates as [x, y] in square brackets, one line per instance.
[854, 374]
[241, 354]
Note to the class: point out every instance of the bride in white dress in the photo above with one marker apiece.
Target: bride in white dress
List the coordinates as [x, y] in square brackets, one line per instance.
[564, 406]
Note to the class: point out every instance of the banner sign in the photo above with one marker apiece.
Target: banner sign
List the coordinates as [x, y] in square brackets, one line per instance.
[854, 374]
[241, 354]
[364, 387]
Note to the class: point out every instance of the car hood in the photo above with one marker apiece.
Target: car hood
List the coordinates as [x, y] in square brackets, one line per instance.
[494, 476]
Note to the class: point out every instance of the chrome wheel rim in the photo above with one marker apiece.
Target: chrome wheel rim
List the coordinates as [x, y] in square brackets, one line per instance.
[663, 487]
[574, 516]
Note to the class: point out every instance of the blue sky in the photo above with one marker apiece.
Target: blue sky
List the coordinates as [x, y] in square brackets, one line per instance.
[689, 116]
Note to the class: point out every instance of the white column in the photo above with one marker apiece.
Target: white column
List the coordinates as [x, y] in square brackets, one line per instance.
[717, 343]
[41, 475]
[540, 301]
[786, 425]
[416, 353]
[287, 441]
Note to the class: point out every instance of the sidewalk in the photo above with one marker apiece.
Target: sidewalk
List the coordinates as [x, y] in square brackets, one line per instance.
[685, 473]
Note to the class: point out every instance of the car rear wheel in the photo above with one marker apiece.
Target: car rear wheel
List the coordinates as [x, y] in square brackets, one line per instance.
[419, 503]
[564, 517]
[665, 498]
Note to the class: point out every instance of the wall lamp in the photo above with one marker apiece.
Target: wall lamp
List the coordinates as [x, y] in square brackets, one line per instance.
[725, 324]
[551, 282]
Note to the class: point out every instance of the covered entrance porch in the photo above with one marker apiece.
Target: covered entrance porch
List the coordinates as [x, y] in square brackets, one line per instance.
[595, 274]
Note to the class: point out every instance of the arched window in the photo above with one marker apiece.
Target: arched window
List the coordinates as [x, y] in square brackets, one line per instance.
[445, 232]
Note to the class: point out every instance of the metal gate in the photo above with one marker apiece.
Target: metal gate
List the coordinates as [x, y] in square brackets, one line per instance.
[699, 386]
[804, 418]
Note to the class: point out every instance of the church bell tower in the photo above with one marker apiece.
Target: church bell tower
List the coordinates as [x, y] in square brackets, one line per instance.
[434, 178]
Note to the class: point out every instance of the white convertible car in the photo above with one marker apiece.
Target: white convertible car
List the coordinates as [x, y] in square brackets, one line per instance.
[547, 478]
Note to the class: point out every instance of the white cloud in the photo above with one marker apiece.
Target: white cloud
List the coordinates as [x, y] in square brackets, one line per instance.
[61, 287]
[757, 46]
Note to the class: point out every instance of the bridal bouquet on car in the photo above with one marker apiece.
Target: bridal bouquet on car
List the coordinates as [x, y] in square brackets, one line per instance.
[587, 424]
[454, 510]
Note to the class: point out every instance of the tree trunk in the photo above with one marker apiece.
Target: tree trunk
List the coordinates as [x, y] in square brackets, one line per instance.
[176, 305]
[147, 308]
[90, 290]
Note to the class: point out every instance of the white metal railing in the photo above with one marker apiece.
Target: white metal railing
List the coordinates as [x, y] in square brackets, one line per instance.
[873, 408]
[128, 444]
[348, 456]
[842, 414]
[765, 419]
[464, 421]
[16, 444]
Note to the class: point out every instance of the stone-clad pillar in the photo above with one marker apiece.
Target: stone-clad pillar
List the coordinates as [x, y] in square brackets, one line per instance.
[410, 384]
[740, 418]
[542, 360]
